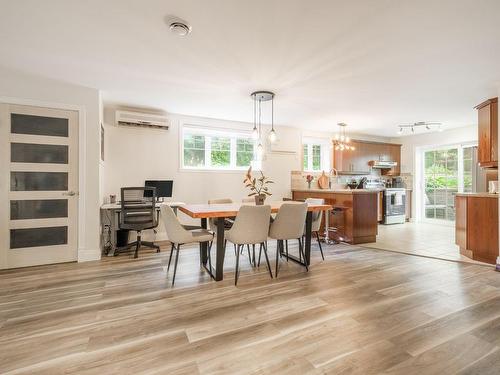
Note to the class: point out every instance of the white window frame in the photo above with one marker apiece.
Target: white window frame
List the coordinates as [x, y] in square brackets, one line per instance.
[325, 148]
[208, 133]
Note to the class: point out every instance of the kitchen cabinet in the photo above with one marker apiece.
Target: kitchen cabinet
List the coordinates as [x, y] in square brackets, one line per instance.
[476, 226]
[357, 161]
[357, 222]
[408, 205]
[488, 133]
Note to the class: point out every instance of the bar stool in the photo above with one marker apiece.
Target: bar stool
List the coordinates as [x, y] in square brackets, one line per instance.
[338, 225]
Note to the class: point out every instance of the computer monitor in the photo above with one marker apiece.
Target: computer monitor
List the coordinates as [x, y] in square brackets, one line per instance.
[163, 188]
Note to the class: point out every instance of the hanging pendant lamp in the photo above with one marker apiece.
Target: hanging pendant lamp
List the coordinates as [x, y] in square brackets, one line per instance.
[259, 97]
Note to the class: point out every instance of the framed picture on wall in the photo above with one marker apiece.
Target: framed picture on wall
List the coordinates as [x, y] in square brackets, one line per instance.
[102, 142]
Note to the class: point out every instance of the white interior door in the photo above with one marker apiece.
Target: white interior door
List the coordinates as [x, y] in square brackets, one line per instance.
[39, 183]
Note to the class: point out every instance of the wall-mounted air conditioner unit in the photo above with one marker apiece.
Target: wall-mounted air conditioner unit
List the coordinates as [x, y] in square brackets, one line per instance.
[146, 120]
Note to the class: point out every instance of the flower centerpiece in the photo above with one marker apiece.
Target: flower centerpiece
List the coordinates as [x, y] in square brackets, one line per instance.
[309, 179]
[258, 186]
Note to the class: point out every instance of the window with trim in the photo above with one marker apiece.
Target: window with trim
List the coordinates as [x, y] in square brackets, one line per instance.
[315, 154]
[207, 148]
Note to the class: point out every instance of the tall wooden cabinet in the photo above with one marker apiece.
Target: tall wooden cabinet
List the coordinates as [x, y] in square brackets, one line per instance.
[488, 133]
[357, 161]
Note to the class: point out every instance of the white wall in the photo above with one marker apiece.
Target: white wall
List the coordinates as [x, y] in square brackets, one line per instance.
[17, 86]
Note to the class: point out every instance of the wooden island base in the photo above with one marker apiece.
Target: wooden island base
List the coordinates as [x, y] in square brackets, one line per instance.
[357, 222]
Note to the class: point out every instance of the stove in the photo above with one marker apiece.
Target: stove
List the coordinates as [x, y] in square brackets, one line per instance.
[394, 206]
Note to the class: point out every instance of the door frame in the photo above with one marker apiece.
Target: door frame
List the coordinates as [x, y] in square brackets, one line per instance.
[420, 173]
[82, 151]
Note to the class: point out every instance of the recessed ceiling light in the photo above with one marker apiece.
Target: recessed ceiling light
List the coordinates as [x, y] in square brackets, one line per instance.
[178, 26]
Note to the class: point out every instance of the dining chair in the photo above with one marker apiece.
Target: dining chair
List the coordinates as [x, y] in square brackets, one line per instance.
[317, 216]
[138, 214]
[288, 225]
[248, 200]
[178, 236]
[250, 227]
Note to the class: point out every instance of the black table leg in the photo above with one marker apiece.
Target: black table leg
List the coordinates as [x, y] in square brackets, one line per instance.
[204, 245]
[221, 250]
[307, 247]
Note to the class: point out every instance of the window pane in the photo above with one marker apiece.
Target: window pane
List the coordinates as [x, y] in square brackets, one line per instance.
[38, 209]
[221, 152]
[35, 153]
[305, 160]
[244, 152]
[316, 157]
[194, 150]
[31, 181]
[32, 237]
[39, 125]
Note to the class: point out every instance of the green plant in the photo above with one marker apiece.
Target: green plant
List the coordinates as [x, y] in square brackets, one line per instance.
[257, 186]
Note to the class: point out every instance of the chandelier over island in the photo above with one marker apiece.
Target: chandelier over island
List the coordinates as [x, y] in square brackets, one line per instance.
[341, 140]
[259, 97]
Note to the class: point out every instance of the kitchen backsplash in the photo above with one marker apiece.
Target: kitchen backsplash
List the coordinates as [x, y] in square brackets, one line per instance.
[298, 179]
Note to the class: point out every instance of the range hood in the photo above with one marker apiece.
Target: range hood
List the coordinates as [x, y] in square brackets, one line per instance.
[383, 164]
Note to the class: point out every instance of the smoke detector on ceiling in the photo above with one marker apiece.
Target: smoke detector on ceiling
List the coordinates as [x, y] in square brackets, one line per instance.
[178, 26]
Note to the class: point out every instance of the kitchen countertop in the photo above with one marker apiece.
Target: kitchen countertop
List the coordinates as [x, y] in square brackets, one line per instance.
[338, 191]
[480, 195]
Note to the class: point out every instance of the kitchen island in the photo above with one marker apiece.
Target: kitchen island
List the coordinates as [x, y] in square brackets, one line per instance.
[354, 214]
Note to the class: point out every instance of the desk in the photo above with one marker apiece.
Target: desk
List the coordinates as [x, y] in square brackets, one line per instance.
[221, 211]
[110, 218]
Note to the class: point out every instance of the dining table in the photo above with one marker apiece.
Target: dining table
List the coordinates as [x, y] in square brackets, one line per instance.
[222, 211]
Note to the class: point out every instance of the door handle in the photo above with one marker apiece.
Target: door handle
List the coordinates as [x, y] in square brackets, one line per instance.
[70, 193]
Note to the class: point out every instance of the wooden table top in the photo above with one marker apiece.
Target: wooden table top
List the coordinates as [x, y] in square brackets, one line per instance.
[201, 211]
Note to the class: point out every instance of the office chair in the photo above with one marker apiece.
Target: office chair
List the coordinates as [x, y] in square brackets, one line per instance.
[138, 213]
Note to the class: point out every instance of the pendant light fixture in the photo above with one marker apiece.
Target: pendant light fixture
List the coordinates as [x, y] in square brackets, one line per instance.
[341, 140]
[259, 97]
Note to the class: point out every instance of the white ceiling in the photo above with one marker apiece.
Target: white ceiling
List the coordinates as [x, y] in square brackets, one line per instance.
[372, 64]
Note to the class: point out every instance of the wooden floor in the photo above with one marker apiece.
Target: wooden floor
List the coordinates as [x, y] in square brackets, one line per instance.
[361, 311]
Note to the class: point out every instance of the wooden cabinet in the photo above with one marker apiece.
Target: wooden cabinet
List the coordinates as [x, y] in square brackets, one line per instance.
[488, 133]
[476, 226]
[357, 161]
[357, 221]
[408, 205]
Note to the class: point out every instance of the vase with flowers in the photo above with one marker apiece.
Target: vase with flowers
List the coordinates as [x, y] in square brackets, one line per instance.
[309, 179]
[258, 186]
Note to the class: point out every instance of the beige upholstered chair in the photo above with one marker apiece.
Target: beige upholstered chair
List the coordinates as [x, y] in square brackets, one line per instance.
[248, 200]
[316, 221]
[178, 236]
[250, 228]
[288, 225]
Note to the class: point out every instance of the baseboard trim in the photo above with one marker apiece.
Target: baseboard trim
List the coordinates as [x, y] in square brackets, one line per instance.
[87, 255]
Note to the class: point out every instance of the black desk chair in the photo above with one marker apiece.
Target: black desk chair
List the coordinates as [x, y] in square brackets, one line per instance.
[138, 212]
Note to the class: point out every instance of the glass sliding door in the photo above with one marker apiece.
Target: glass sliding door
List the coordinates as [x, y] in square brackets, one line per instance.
[446, 171]
[440, 183]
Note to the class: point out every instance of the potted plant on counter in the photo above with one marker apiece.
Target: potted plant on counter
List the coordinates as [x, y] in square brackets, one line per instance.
[309, 179]
[258, 186]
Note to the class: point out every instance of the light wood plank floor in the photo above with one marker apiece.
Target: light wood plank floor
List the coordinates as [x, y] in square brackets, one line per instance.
[362, 311]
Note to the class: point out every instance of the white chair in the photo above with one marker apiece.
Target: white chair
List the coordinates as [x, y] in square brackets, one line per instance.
[250, 227]
[316, 221]
[288, 225]
[178, 236]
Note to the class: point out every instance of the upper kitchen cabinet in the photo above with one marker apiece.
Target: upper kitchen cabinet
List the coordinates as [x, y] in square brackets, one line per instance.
[488, 133]
[358, 161]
